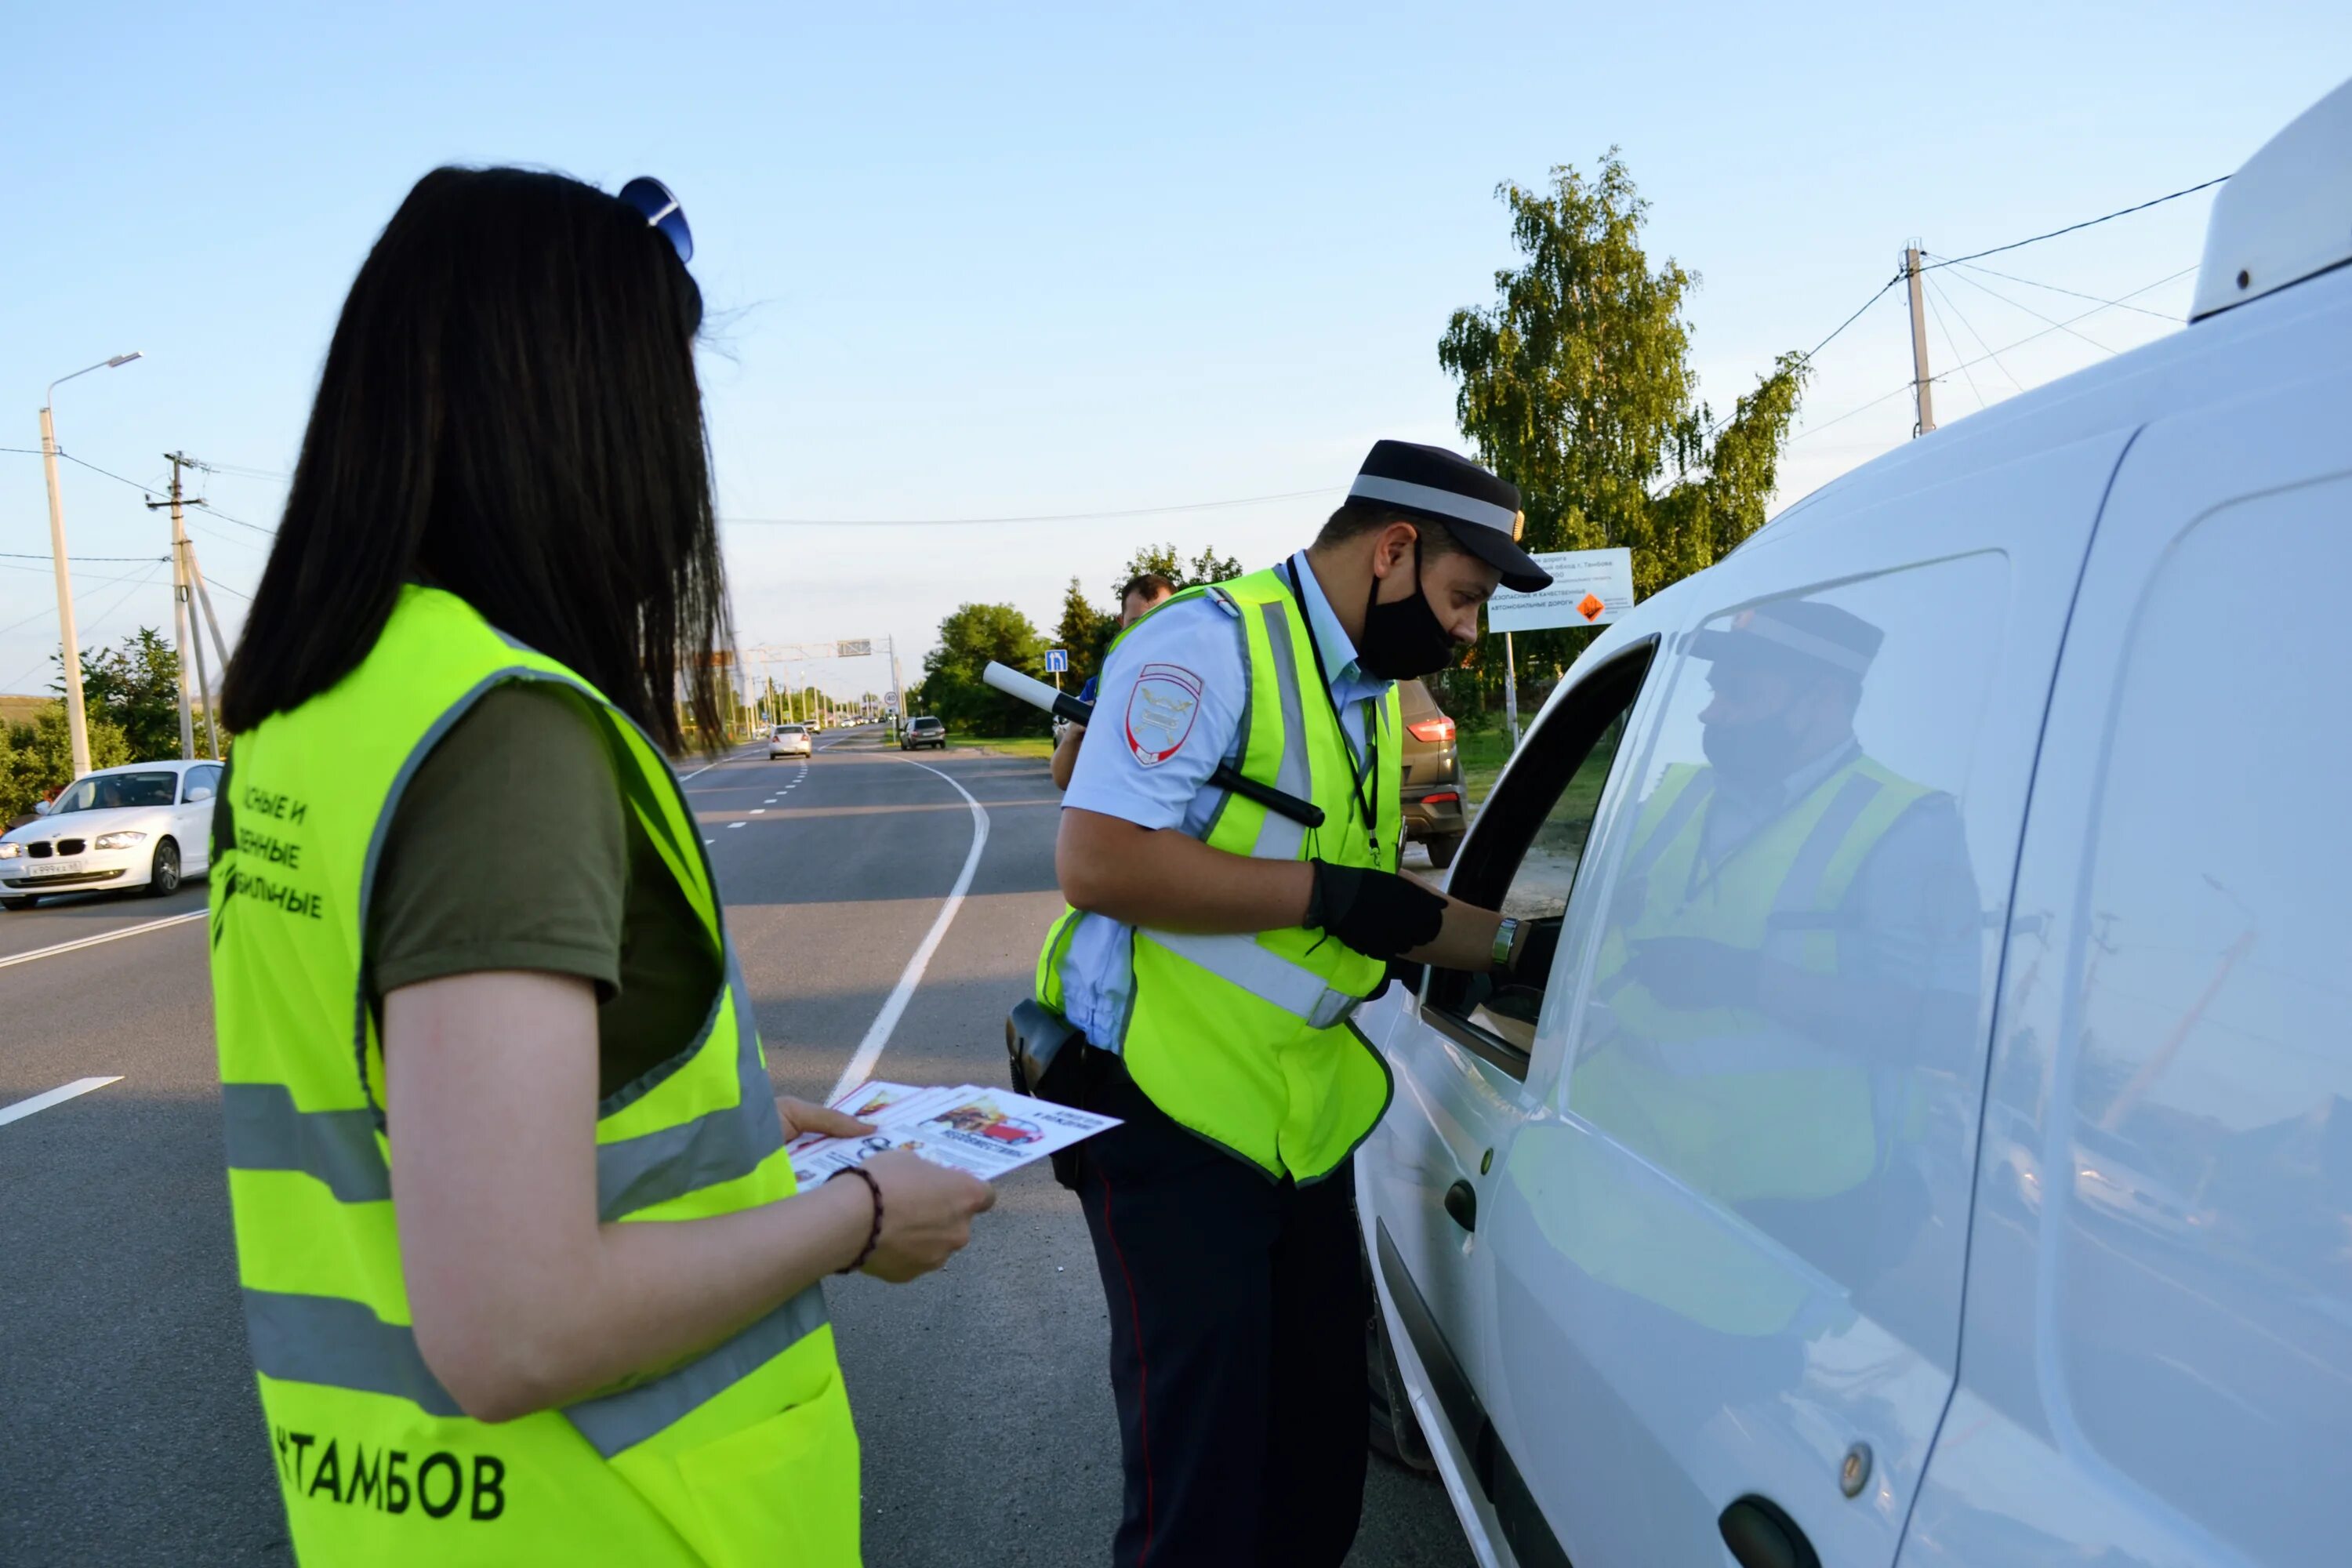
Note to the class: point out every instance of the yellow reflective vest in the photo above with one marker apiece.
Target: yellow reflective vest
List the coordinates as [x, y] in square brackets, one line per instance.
[744, 1453]
[1248, 1040]
[1734, 1104]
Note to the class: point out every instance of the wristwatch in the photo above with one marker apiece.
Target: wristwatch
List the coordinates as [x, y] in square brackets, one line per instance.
[1507, 938]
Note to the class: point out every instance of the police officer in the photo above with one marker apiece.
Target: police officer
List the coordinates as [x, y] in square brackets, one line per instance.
[1144, 593]
[1792, 948]
[1213, 956]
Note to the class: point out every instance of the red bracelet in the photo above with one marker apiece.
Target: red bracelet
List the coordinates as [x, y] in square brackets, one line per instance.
[873, 1236]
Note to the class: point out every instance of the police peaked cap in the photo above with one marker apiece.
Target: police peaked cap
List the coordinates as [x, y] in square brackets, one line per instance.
[1480, 510]
[1801, 636]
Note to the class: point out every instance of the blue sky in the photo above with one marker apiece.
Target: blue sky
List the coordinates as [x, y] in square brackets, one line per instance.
[1069, 260]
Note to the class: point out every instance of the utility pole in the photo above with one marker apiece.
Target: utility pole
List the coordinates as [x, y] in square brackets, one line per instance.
[186, 616]
[69, 638]
[1922, 387]
[898, 688]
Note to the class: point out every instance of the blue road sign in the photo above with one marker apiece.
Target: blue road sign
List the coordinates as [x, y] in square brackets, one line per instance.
[1057, 661]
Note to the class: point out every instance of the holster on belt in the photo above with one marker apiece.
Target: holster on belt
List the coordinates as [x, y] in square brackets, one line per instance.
[1045, 1055]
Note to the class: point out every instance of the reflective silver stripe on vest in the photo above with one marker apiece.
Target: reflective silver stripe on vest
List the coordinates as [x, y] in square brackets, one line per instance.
[1796, 907]
[266, 1133]
[618, 1422]
[1278, 837]
[718, 1146]
[1694, 794]
[1265, 975]
[337, 1343]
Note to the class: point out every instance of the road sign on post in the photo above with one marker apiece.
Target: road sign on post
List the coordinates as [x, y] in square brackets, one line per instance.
[1588, 588]
[856, 647]
[1057, 660]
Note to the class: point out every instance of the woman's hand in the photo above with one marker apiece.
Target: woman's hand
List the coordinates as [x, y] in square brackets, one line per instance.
[927, 1213]
[799, 1116]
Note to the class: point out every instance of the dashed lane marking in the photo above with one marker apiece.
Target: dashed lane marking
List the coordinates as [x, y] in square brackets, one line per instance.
[102, 936]
[25, 1107]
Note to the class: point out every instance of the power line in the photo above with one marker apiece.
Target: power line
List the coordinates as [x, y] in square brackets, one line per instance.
[98, 621]
[44, 571]
[1849, 320]
[1993, 356]
[212, 510]
[118, 479]
[2087, 314]
[1970, 328]
[1929, 296]
[2096, 299]
[994, 521]
[1816, 429]
[45, 555]
[2037, 315]
[2086, 223]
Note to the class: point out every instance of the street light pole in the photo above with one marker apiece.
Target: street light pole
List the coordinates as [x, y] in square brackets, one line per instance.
[76, 727]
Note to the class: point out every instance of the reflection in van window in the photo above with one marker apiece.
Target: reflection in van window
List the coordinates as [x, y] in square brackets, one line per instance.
[1792, 954]
[2206, 1182]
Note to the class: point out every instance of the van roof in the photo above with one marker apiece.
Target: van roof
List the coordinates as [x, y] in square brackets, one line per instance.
[2285, 214]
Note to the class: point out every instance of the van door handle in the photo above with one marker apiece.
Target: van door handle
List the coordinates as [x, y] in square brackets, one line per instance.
[1761, 1535]
[1462, 1203]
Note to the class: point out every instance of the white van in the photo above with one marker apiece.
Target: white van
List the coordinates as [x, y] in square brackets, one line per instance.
[1933, 1143]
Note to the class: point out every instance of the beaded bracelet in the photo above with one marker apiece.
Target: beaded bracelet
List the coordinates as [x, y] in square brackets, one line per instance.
[873, 1236]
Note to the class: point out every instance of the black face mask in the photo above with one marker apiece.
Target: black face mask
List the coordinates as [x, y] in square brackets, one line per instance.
[1404, 640]
[1758, 754]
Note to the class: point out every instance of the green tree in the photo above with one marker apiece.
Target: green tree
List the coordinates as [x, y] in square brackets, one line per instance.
[968, 640]
[36, 759]
[1084, 630]
[1208, 566]
[136, 686]
[1577, 386]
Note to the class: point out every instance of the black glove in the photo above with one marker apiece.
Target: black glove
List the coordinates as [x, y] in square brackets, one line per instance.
[1378, 913]
[1532, 955]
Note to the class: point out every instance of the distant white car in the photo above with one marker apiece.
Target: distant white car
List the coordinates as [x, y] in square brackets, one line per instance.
[788, 740]
[145, 825]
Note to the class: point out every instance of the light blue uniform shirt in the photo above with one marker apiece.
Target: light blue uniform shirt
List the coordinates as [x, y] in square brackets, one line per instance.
[1149, 755]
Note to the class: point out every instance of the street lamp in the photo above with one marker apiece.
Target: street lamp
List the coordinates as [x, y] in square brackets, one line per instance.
[76, 726]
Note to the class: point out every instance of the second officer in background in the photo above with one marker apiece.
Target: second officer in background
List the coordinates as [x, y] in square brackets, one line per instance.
[1212, 957]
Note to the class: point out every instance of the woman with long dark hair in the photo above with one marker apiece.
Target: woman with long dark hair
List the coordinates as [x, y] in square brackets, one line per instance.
[525, 1274]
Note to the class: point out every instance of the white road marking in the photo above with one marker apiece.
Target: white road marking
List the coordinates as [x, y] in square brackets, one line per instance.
[102, 936]
[758, 811]
[710, 841]
[25, 1107]
[714, 761]
[734, 825]
[869, 1049]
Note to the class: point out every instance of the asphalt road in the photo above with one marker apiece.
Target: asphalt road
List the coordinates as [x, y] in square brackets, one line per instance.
[128, 1427]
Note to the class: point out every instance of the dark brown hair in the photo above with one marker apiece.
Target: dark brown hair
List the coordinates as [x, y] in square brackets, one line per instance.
[1151, 584]
[508, 410]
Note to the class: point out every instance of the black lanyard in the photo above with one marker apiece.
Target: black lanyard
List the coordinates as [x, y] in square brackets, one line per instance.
[1364, 778]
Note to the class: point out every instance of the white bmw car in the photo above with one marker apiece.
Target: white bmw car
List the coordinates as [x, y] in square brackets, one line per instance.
[145, 825]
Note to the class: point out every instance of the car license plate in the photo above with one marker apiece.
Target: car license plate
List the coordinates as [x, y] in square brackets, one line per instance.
[55, 868]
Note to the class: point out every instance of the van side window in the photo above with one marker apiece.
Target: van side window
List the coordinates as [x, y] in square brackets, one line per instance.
[2198, 1134]
[1525, 859]
[1792, 953]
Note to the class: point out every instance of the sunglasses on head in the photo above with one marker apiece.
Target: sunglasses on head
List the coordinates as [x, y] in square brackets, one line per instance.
[661, 211]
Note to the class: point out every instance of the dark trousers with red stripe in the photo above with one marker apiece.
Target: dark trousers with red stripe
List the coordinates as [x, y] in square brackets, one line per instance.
[1237, 1311]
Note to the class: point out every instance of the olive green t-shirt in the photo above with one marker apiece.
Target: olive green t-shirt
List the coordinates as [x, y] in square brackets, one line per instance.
[511, 848]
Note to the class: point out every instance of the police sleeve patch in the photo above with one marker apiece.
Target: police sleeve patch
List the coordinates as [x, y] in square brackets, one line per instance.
[1160, 712]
